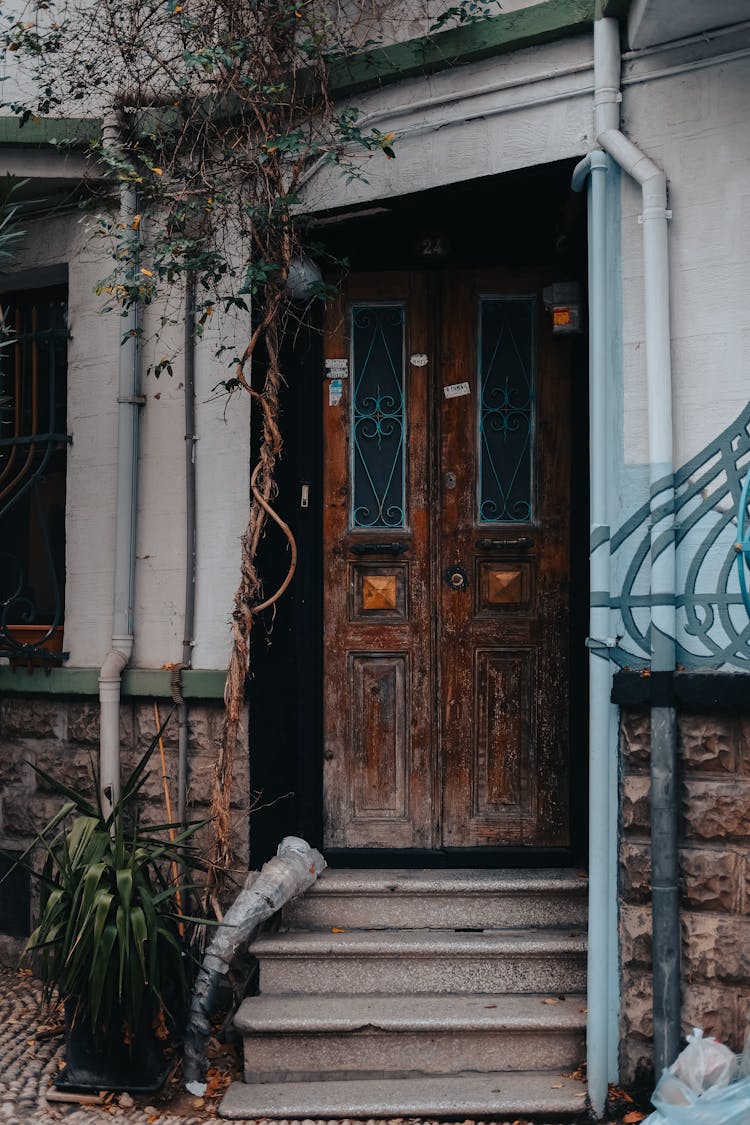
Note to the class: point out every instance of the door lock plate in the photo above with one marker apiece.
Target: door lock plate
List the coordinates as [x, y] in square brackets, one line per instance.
[457, 578]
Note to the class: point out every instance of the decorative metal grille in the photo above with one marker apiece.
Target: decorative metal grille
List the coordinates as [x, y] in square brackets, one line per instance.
[506, 408]
[712, 626]
[33, 453]
[378, 416]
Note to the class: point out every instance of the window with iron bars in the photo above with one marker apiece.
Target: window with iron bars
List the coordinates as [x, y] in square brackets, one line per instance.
[33, 455]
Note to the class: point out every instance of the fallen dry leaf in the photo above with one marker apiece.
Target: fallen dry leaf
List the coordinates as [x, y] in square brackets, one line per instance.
[633, 1116]
[556, 1086]
[550, 1000]
[337, 930]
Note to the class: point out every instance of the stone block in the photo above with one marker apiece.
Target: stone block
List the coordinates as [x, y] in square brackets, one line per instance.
[743, 743]
[31, 717]
[709, 743]
[715, 1008]
[635, 871]
[145, 723]
[14, 767]
[744, 878]
[636, 1063]
[636, 1004]
[711, 879]
[201, 730]
[83, 723]
[635, 936]
[716, 810]
[716, 947]
[635, 739]
[23, 815]
[72, 765]
[636, 815]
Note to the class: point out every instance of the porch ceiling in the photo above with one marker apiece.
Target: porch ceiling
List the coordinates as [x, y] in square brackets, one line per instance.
[659, 21]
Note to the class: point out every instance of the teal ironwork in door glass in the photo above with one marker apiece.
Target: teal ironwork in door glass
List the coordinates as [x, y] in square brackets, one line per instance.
[506, 409]
[378, 419]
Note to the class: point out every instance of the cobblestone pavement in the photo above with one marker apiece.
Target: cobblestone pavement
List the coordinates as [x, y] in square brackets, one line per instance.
[31, 1054]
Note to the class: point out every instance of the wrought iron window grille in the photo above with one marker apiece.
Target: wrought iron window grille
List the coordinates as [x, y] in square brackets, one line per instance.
[33, 455]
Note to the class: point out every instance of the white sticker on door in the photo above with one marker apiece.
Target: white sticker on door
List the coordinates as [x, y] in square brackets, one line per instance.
[335, 389]
[455, 390]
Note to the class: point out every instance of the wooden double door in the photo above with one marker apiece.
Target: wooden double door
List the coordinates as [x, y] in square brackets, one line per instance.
[446, 421]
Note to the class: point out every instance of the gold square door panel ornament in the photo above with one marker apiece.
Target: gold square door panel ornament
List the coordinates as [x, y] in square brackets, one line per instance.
[379, 591]
[504, 585]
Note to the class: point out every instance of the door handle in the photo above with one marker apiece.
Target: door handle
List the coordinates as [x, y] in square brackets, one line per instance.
[523, 542]
[394, 548]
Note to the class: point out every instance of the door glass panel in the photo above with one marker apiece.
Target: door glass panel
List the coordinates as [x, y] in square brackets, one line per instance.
[506, 409]
[378, 420]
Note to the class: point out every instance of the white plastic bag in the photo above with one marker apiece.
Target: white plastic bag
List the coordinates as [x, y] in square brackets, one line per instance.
[704, 1064]
[700, 1087]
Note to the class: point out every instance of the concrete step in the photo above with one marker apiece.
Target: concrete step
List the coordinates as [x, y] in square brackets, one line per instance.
[440, 899]
[404, 961]
[460, 1096]
[298, 1038]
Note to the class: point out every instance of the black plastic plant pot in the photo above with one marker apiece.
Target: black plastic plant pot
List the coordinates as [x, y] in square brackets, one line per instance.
[107, 1062]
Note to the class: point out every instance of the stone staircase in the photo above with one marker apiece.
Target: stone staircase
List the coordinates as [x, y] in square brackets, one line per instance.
[419, 994]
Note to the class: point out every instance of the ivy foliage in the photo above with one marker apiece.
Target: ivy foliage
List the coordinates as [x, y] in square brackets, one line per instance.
[213, 112]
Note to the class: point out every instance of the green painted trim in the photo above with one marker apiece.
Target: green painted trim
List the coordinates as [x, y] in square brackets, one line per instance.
[510, 31]
[76, 132]
[52, 681]
[137, 683]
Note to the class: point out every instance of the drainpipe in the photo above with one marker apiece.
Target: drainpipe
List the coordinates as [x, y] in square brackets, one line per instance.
[665, 895]
[129, 402]
[595, 165]
[183, 732]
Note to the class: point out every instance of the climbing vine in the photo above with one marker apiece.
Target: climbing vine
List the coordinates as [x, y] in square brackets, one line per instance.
[213, 111]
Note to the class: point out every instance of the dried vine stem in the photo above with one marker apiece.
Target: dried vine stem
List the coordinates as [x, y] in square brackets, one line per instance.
[248, 600]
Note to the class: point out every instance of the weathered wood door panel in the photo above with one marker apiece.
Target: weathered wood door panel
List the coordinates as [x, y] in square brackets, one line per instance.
[446, 540]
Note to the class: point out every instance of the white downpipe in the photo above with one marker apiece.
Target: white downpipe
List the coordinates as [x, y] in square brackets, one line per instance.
[607, 100]
[595, 165]
[128, 406]
[665, 943]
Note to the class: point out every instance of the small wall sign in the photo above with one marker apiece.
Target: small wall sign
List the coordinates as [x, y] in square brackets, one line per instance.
[337, 368]
[433, 245]
[418, 360]
[455, 390]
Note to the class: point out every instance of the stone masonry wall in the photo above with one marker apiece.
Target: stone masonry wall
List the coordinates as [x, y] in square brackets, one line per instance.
[62, 737]
[714, 767]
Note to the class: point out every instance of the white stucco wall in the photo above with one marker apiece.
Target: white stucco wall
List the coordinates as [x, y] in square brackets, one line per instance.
[515, 111]
[222, 454]
[694, 125]
[687, 109]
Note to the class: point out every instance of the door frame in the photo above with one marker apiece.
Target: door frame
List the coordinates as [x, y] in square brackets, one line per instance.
[286, 691]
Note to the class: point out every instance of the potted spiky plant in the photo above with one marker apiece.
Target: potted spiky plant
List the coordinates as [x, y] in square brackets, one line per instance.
[110, 939]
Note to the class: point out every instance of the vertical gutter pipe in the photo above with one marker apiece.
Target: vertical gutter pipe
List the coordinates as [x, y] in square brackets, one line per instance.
[595, 165]
[183, 731]
[129, 402]
[655, 216]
